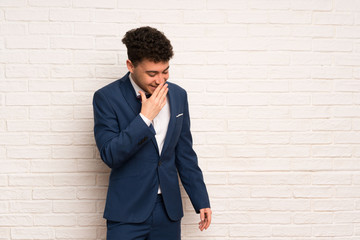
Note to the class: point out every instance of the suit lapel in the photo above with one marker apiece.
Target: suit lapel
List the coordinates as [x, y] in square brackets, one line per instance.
[171, 125]
[130, 97]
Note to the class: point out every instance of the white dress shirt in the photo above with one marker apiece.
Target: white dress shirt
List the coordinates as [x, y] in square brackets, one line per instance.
[160, 122]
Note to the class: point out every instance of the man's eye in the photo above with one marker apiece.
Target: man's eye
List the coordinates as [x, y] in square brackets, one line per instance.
[152, 75]
[165, 72]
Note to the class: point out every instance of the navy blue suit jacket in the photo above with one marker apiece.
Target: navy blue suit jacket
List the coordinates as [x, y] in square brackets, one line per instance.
[128, 146]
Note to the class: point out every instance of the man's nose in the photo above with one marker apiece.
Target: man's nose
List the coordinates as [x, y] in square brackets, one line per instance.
[160, 79]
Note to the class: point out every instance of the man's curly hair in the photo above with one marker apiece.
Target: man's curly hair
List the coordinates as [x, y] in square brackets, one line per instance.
[147, 43]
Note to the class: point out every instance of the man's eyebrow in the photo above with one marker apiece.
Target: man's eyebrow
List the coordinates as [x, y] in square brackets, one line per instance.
[157, 71]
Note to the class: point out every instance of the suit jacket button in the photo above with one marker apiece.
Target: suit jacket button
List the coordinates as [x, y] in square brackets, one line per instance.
[159, 163]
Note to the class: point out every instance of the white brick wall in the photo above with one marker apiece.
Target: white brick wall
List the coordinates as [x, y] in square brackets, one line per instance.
[274, 92]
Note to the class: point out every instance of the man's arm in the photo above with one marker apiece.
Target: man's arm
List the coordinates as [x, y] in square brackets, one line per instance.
[190, 173]
[117, 145]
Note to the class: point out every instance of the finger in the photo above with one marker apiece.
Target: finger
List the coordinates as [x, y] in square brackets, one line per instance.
[208, 220]
[202, 215]
[143, 96]
[157, 90]
[164, 92]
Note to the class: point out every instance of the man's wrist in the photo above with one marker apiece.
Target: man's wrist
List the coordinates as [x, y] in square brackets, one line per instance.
[145, 119]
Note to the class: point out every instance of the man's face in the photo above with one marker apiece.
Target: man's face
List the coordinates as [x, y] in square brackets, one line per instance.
[148, 75]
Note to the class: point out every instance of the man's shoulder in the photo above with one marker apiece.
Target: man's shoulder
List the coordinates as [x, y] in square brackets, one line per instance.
[113, 87]
[177, 89]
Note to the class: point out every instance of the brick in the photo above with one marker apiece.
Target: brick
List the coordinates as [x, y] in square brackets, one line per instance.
[346, 5]
[313, 192]
[83, 112]
[287, 17]
[21, 99]
[333, 205]
[98, 29]
[28, 152]
[290, 205]
[90, 86]
[332, 99]
[251, 230]
[202, 17]
[37, 233]
[14, 57]
[13, 86]
[347, 85]
[27, 14]
[333, 230]
[248, 44]
[28, 125]
[74, 206]
[272, 4]
[70, 15]
[327, 45]
[54, 166]
[207, 125]
[12, 220]
[311, 85]
[247, 100]
[72, 42]
[74, 180]
[108, 72]
[13, 29]
[14, 194]
[333, 151]
[84, 139]
[53, 3]
[73, 126]
[71, 98]
[111, 16]
[51, 139]
[13, 3]
[269, 179]
[207, 45]
[333, 18]
[56, 57]
[103, 58]
[161, 16]
[54, 193]
[240, 125]
[11, 166]
[33, 180]
[73, 152]
[320, 5]
[347, 60]
[32, 42]
[237, 151]
[14, 139]
[292, 231]
[176, 31]
[311, 164]
[247, 17]
[21, 71]
[331, 179]
[30, 207]
[229, 4]
[51, 113]
[94, 4]
[289, 99]
[54, 220]
[269, 30]
[323, 31]
[347, 217]
[109, 43]
[246, 73]
[92, 193]
[268, 113]
[72, 72]
[268, 86]
[310, 59]
[91, 220]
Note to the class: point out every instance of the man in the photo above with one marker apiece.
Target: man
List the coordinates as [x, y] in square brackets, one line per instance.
[142, 130]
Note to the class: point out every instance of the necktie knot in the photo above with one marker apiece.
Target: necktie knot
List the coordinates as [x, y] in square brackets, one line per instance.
[139, 96]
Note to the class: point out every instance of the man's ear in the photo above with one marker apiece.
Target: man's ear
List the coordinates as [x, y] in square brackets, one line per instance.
[130, 66]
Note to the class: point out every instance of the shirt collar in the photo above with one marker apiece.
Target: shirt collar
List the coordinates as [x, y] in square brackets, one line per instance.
[135, 86]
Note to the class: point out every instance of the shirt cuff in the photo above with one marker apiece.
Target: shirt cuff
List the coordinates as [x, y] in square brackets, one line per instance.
[146, 120]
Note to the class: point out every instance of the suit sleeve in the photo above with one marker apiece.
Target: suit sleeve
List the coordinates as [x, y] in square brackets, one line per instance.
[187, 164]
[117, 143]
